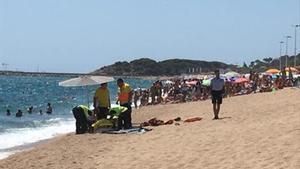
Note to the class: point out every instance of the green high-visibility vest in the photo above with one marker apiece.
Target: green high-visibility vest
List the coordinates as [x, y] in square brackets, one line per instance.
[85, 110]
[116, 111]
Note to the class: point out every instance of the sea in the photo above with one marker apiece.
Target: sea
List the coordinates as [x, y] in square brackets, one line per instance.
[21, 92]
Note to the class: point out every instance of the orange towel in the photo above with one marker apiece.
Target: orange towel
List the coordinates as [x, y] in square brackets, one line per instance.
[193, 119]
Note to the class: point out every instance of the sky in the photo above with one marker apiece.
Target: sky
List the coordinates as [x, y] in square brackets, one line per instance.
[81, 36]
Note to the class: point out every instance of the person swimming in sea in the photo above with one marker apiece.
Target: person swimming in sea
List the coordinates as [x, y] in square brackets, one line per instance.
[19, 113]
[49, 109]
[30, 109]
[8, 112]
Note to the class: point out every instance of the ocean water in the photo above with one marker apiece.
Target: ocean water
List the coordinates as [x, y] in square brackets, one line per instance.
[21, 92]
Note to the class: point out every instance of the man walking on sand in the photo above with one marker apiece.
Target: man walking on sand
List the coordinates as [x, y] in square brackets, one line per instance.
[217, 90]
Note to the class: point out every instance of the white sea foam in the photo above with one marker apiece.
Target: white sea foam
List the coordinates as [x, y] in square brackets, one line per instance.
[22, 137]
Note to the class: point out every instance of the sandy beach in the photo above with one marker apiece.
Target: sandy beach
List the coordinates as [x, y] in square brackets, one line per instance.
[257, 131]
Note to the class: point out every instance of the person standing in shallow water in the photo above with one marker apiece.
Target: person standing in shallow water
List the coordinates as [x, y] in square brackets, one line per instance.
[217, 90]
[49, 109]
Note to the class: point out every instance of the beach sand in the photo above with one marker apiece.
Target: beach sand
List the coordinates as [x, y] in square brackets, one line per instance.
[257, 131]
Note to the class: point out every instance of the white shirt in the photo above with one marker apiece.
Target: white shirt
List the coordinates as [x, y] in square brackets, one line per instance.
[217, 84]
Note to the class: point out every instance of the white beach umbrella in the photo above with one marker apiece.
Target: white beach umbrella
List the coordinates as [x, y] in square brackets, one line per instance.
[169, 82]
[231, 74]
[86, 81]
[296, 75]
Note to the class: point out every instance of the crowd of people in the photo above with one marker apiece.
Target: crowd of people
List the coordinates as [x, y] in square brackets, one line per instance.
[184, 90]
[174, 91]
[168, 91]
[30, 110]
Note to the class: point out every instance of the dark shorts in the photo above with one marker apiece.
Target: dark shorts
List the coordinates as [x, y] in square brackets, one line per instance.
[124, 120]
[216, 97]
[102, 112]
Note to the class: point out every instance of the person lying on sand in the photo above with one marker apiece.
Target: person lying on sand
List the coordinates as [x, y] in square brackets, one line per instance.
[112, 119]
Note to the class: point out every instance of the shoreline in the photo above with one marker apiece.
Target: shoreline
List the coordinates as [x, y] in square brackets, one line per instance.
[26, 139]
[29, 146]
[257, 136]
[25, 147]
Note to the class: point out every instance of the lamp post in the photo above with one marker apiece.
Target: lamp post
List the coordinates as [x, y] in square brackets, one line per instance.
[280, 54]
[295, 49]
[286, 50]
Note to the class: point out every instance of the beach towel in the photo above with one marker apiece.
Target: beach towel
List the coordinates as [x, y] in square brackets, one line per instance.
[193, 119]
[169, 122]
[136, 130]
[157, 122]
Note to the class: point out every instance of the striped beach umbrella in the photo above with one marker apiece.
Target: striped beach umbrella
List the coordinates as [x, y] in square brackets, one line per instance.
[273, 71]
[294, 70]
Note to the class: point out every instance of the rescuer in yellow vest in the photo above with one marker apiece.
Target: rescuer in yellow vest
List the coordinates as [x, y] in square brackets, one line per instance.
[124, 99]
[84, 119]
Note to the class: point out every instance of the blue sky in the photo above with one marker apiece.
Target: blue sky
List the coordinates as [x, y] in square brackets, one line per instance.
[80, 36]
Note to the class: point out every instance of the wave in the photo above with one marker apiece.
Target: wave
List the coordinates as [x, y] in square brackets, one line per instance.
[12, 138]
[28, 121]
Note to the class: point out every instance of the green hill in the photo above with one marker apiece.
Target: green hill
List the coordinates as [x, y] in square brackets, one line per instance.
[171, 67]
[149, 67]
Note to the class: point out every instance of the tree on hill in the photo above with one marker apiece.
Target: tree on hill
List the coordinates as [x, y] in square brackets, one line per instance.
[245, 65]
[268, 60]
[149, 67]
[144, 66]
